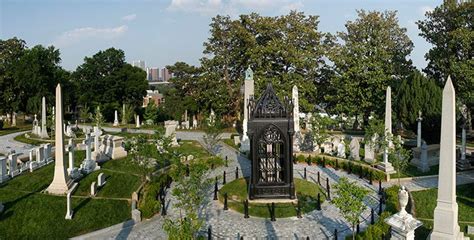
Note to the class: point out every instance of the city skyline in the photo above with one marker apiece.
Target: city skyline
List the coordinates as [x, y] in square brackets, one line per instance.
[164, 32]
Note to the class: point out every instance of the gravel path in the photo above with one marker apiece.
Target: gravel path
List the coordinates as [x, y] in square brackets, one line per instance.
[8, 143]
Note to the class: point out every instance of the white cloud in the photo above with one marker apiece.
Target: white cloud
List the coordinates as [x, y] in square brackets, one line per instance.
[86, 33]
[209, 7]
[425, 9]
[130, 17]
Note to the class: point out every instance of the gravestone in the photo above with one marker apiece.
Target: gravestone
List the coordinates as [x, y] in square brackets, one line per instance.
[137, 121]
[3, 170]
[341, 150]
[35, 127]
[355, 148]
[13, 164]
[446, 212]
[170, 131]
[99, 154]
[195, 122]
[39, 154]
[423, 166]
[136, 215]
[89, 165]
[463, 163]
[116, 121]
[369, 150]
[117, 147]
[296, 108]
[72, 171]
[101, 180]
[403, 224]
[386, 166]
[47, 152]
[14, 120]
[61, 182]
[93, 188]
[335, 143]
[44, 132]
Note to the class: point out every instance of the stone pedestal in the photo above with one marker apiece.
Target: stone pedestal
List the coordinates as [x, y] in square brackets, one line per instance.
[386, 166]
[170, 131]
[248, 93]
[424, 167]
[403, 226]
[117, 149]
[463, 163]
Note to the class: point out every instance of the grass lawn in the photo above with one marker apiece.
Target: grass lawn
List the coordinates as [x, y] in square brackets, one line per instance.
[412, 171]
[237, 192]
[425, 203]
[231, 143]
[32, 214]
[192, 148]
[23, 139]
[8, 130]
[41, 216]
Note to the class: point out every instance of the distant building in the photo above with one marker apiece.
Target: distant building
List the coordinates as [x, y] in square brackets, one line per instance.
[165, 75]
[155, 96]
[140, 63]
[153, 74]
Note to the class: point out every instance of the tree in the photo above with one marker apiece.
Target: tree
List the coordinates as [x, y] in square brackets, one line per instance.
[212, 136]
[320, 126]
[128, 114]
[399, 157]
[350, 201]
[84, 113]
[449, 29]
[373, 55]
[418, 93]
[151, 112]
[98, 117]
[142, 152]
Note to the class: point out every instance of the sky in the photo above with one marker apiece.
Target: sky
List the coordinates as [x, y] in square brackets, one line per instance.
[161, 32]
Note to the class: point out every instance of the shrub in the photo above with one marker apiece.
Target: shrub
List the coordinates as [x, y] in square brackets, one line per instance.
[300, 158]
[1, 124]
[149, 204]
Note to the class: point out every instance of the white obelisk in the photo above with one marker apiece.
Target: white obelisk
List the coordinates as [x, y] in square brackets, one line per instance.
[44, 131]
[248, 91]
[446, 212]
[386, 166]
[61, 181]
[296, 108]
[116, 121]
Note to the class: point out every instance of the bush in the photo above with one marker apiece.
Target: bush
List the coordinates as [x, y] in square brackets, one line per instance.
[1, 124]
[149, 204]
[300, 158]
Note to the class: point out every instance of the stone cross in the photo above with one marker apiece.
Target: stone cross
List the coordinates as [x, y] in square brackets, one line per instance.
[97, 134]
[61, 181]
[44, 132]
[418, 135]
[446, 212]
[296, 108]
[88, 145]
[116, 121]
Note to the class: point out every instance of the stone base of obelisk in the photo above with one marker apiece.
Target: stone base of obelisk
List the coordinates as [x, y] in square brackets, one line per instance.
[463, 164]
[403, 226]
[59, 188]
[245, 145]
[386, 167]
[89, 166]
[445, 214]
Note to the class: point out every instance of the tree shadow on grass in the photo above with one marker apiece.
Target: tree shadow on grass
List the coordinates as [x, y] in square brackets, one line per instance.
[9, 205]
[82, 204]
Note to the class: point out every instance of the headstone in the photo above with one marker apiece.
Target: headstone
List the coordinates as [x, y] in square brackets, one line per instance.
[137, 122]
[124, 120]
[195, 122]
[341, 150]
[99, 154]
[135, 196]
[61, 181]
[170, 131]
[355, 148]
[72, 171]
[47, 152]
[463, 163]
[212, 118]
[403, 224]
[44, 132]
[69, 211]
[88, 165]
[39, 154]
[446, 212]
[136, 215]
[309, 118]
[418, 135]
[3, 169]
[12, 161]
[35, 126]
[14, 119]
[101, 180]
[386, 166]
[423, 166]
[93, 188]
[118, 151]
[369, 150]
[335, 143]
[116, 121]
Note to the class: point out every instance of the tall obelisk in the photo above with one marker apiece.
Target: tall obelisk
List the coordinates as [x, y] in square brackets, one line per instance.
[248, 91]
[386, 166]
[446, 212]
[44, 131]
[61, 181]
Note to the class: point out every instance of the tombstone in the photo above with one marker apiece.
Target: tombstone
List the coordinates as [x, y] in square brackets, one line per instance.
[101, 180]
[386, 166]
[44, 132]
[98, 155]
[170, 131]
[185, 123]
[335, 143]
[69, 211]
[14, 120]
[446, 212]
[432, 156]
[61, 182]
[116, 121]
[463, 163]
[117, 147]
[403, 224]
[39, 154]
[135, 196]
[309, 118]
[47, 152]
[137, 122]
[89, 165]
[195, 122]
[136, 215]
[423, 166]
[327, 147]
[69, 131]
[13, 164]
[341, 150]
[369, 149]
[355, 148]
[72, 171]
[418, 135]
[93, 188]
[3, 169]
[35, 126]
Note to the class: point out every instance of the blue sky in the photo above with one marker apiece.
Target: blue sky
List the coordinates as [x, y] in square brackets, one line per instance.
[162, 32]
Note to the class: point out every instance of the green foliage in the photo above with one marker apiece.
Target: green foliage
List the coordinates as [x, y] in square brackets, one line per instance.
[127, 115]
[149, 204]
[143, 153]
[373, 55]
[448, 28]
[399, 157]
[320, 126]
[350, 201]
[84, 113]
[212, 135]
[98, 117]
[151, 112]
[417, 93]
[375, 134]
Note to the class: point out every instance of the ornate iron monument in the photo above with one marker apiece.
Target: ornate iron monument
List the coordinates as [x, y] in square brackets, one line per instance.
[271, 129]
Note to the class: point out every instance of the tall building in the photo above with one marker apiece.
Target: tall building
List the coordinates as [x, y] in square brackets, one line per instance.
[153, 74]
[140, 63]
[165, 75]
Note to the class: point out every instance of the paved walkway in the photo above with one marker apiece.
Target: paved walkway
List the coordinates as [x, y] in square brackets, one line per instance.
[8, 143]
[426, 182]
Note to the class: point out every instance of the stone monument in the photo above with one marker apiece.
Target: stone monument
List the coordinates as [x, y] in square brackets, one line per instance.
[446, 212]
[137, 121]
[170, 131]
[248, 92]
[296, 119]
[403, 224]
[61, 181]
[355, 148]
[44, 132]
[418, 135]
[116, 121]
[386, 166]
